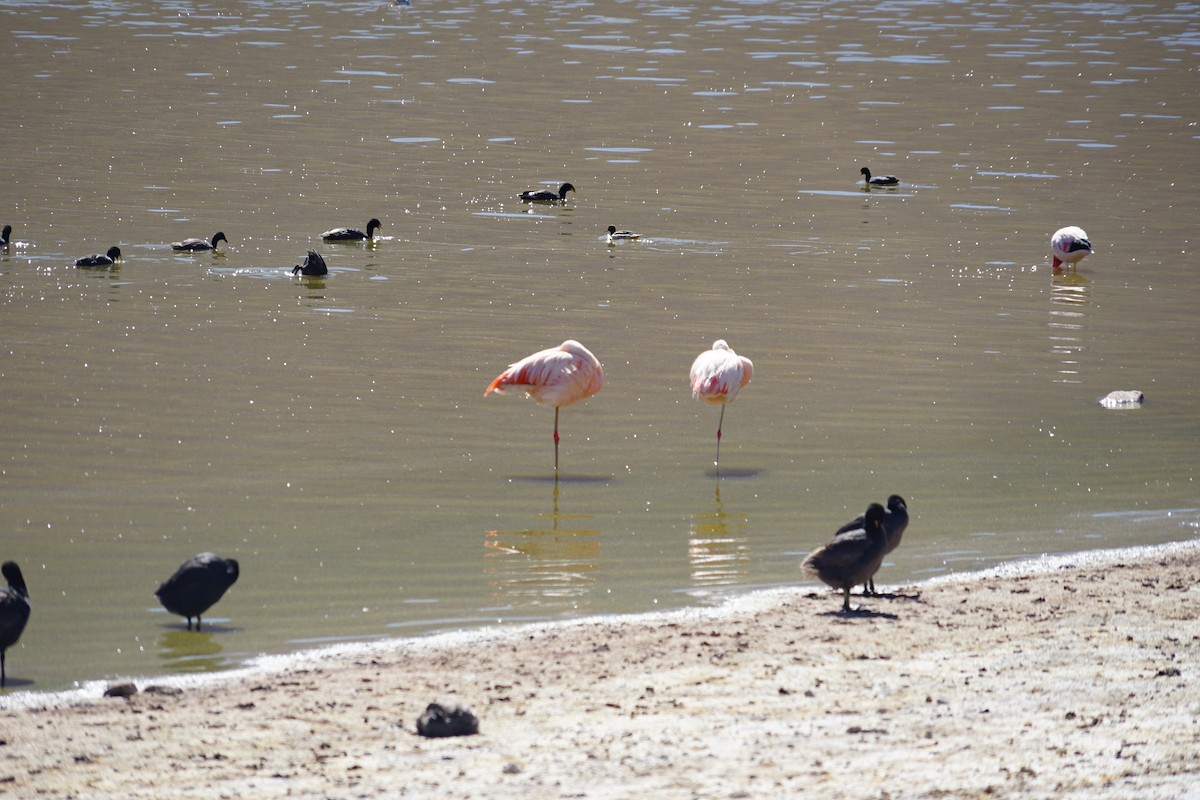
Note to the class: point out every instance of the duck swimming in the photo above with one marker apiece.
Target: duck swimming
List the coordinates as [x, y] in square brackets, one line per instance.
[6, 236]
[100, 259]
[547, 196]
[615, 235]
[1069, 245]
[352, 234]
[851, 558]
[196, 245]
[882, 180]
[313, 264]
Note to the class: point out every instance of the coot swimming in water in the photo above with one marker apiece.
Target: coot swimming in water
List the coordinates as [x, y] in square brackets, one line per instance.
[312, 265]
[195, 245]
[352, 234]
[881, 180]
[547, 196]
[100, 259]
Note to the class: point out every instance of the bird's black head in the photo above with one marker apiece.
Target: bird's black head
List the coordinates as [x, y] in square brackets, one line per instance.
[12, 574]
[874, 517]
[114, 252]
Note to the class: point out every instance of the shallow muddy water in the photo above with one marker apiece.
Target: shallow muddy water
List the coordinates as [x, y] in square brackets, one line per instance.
[332, 435]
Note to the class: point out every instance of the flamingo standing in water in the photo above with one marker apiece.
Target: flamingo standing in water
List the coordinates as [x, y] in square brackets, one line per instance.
[717, 377]
[557, 376]
[1069, 245]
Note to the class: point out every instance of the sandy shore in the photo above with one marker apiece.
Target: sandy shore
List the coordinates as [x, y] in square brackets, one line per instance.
[1075, 680]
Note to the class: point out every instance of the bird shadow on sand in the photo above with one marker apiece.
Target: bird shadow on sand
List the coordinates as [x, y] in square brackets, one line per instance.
[859, 612]
[915, 597]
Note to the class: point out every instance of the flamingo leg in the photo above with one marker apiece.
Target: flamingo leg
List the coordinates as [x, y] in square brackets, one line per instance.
[720, 422]
[556, 440]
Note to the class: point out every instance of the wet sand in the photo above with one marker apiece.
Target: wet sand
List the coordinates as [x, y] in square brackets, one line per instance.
[1075, 678]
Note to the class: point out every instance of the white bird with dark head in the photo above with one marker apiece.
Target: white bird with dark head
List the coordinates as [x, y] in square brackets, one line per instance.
[1069, 245]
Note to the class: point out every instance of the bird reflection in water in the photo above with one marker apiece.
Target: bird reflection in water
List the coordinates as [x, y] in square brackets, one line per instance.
[718, 546]
[191, 651]
[543, 564]
[1069, 296]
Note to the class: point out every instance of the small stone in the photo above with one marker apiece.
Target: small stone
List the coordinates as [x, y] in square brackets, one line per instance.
[124, 690]
[1130, 398]
[447, 720]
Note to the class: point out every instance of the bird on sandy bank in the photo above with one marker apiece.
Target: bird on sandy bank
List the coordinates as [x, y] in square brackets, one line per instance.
[313, 265]
[851, 558]
[895, 522]
[547, 196]
[198, 245]
[557, 376]
[197, 585]
[14, 611]
[100, 259]
[880, 180]
[615, 235]
[717, 375]
[352, 234]
[1069, 245]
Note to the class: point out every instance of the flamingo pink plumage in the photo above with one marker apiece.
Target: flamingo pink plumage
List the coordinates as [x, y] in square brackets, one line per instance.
[1069, 245]
[717, 377]
[557, 376]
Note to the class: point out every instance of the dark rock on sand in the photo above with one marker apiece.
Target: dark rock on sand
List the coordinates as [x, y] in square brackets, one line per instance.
[440, 720]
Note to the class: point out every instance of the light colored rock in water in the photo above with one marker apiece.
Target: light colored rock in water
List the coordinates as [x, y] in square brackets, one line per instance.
[1124, 398]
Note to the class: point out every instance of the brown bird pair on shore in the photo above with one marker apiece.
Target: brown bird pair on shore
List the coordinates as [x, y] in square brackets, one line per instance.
[857, 549]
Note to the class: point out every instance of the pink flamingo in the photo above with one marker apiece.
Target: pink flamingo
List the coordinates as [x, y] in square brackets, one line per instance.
[1069, 245]
[717, 377]
[557, 376]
